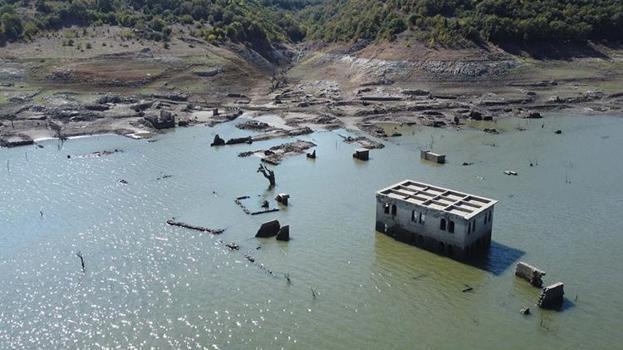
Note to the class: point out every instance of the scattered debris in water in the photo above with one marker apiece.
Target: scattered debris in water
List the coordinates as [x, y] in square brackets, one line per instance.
[232, 246]
[79, 255]
[95, 154]
[166, 176]
[239, 200]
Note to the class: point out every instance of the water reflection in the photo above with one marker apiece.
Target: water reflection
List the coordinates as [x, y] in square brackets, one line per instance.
[499, 258]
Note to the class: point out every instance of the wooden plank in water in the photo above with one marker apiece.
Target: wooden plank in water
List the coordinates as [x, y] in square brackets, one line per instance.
[196, 228]
[265, 211]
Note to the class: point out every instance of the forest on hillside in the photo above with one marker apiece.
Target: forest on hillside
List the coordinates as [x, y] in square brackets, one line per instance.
[458, 22]
[436, 22]
[214, 20]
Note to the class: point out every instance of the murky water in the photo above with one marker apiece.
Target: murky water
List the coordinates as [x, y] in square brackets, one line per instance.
[151, 285]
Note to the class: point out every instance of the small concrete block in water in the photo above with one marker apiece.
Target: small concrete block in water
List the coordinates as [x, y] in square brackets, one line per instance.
[530, 274]
[433, 157]
[284, 233]
[362, 154]
[268, 229]
[552, 296]
[283, 198]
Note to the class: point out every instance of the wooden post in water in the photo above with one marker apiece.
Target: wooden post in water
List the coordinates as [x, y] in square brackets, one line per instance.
[79, 254]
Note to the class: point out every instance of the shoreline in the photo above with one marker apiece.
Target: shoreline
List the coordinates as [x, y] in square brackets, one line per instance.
[67, 96]
[275, 130]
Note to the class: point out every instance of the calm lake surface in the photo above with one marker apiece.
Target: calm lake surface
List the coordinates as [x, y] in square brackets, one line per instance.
[151, 285]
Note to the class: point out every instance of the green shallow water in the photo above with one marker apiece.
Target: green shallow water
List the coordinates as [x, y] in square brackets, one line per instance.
[151, 285]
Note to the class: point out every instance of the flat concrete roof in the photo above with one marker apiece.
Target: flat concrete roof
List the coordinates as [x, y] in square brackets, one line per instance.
[438, 198]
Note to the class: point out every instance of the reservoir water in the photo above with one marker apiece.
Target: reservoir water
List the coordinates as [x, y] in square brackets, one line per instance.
[150, 285]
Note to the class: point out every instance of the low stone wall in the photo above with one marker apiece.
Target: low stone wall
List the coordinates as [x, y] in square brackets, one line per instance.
[530, 273]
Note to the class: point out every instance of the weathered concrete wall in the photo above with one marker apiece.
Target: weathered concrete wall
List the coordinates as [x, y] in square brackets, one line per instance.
[552, 296]
[530, 273]
[483, 229]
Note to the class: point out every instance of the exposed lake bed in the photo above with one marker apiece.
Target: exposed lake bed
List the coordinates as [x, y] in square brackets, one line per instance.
[150, 284]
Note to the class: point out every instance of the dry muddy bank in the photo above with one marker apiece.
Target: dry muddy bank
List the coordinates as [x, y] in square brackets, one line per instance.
[135, 88]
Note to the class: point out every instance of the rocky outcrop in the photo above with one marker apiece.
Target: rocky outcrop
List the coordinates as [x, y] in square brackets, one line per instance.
[218, 141]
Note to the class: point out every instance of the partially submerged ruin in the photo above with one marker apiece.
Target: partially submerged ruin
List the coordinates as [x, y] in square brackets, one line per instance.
[438, 219]
[530, 274]
[362, 154]
[552, 297]
[433, 157]
[166, 120]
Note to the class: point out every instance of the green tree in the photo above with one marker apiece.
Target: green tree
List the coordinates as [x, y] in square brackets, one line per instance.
[11, 26]
[104, 5]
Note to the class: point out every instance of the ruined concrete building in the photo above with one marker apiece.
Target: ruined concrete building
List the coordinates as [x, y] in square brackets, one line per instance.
[166, 120]
[438, 219]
